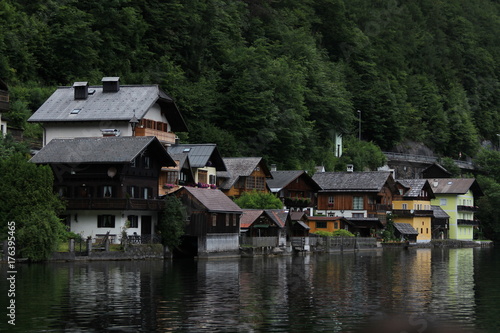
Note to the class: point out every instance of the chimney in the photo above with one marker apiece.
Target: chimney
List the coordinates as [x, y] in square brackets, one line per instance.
[110, 84]
[273, 167]
[350, 167]
[81, 90]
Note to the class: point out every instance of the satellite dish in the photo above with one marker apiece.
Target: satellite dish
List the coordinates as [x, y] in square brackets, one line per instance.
[112, 172]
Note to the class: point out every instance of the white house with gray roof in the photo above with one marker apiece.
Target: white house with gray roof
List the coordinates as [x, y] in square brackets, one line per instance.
[109, 110]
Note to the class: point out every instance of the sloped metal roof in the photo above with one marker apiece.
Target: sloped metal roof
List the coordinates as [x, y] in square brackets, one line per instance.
[214, 200]
[405, 228]
[130, 100]
[100, 150]
[455, 186]
[369, 181]
[439, 213]
[200, 155]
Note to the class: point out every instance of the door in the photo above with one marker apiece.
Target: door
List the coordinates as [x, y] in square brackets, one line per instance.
[146, 229]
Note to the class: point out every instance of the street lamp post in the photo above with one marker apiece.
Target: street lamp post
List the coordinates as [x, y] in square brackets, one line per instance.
[133, 123]
[359, 129]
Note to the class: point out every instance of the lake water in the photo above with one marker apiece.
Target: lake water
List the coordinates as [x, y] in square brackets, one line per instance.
[309, 293]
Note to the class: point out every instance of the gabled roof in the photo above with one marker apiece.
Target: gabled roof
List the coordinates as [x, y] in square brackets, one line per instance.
[281, 179]
[455, 186]
[100, 150]
[436, 167]
[415, 187]
[405, 228]
[439, 213]
[369, 181]
[249, 216]
[200, 155]
[214, 200]
[123, 104]
[241, 167]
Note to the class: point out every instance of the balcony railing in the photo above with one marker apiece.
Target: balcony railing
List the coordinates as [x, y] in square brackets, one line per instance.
[466, 208]
[412, 213]
[467, 222]
[114, 204]
[167, 137]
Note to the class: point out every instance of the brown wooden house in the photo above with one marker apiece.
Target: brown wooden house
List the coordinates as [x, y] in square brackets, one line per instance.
[213, 222]
[244, 174]
[295, 188]
[108, 183]
[363, 198]
[265, 223]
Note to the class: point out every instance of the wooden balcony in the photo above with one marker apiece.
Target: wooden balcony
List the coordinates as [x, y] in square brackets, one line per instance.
[114, 204]
[164, 137]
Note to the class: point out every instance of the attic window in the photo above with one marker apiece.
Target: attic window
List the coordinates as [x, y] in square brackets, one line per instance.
[186, 150]
[75, 111]
[449, 183]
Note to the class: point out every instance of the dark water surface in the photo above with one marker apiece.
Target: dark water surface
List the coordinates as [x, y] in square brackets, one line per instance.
[312, 293]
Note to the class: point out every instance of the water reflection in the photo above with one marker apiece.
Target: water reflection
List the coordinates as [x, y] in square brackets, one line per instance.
[321, 292]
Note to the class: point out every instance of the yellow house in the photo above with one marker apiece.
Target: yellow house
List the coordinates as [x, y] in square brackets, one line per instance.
[456, 196]
[413, 206]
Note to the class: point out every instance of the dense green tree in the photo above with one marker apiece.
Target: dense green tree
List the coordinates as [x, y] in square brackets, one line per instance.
[258, 200]
[29, 202]
[171, 223]
[362, 154]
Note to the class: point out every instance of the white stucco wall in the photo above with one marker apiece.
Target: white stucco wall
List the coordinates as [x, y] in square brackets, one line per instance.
[85, 223]
[83, 130]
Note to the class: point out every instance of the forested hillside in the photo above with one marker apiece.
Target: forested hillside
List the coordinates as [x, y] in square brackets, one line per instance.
[274, 78]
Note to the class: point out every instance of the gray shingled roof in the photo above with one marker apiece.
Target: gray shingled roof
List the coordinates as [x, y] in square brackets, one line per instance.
[100, 106]
[99, 150]
[454, 185]
[238, 167]
[415, 187]
[405, 228]
[439, 213]
[200, 155]
[214, 200]
[282, 178]
[370, 181]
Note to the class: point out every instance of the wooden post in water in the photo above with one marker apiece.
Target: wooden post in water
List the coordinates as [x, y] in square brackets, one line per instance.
[71, 245]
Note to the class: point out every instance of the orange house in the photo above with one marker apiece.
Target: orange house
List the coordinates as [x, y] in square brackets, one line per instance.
[325, 223]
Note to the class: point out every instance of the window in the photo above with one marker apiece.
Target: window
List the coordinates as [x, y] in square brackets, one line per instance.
[335, 225]
[172, 177]
[321, 225]
[442, 202]
[133, 191]
[107, 191]
[133, 221]
[358, 215]
[147, 162]
[255, 183]
[426, 230]
[227, 220]
[214, 220]
[212, 179]
[331, 201]
[357, 202]
[202, 176]
[404, 206]
[146, 193]
[421, 230]
[105, 221]
[132, 163]
[75, 111]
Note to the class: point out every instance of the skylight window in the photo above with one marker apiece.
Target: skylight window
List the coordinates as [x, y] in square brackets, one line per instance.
[75, 111]
[186, 150]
